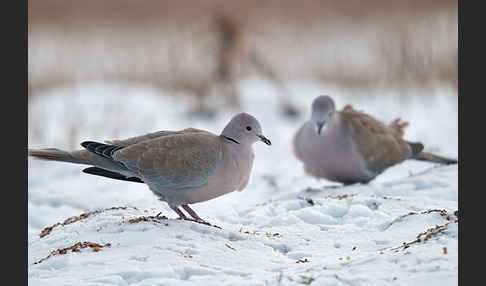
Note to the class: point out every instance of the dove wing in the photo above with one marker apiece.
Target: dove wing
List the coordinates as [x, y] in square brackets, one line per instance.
[149, 136]
[174, 161]
[376, 142]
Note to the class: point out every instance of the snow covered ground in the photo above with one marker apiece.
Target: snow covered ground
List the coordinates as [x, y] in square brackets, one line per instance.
[285, 228]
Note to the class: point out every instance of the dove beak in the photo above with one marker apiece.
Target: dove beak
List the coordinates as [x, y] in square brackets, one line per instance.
[264, 139]
[320, 124]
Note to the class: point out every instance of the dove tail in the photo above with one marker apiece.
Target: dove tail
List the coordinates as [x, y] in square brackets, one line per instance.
[416, 148]
[425, 156]
[417, 154]
[53, 154]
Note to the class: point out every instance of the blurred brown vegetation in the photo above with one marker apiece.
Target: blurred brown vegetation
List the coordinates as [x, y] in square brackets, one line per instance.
[200, 45]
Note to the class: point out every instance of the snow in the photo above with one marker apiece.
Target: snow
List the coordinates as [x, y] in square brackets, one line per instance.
[285, 228]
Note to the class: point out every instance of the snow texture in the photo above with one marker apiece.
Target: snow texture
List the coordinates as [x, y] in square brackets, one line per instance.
[285, 228]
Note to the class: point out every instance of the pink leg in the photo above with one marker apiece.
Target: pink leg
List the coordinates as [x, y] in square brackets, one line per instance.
[196, 218]
[192, 213]
[179, 212]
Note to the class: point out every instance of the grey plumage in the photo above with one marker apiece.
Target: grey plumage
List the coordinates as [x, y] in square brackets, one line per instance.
[350, 146]
[56, 155]
[180, 167]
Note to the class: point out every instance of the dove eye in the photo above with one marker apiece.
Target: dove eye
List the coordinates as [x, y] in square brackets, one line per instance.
[248, 128]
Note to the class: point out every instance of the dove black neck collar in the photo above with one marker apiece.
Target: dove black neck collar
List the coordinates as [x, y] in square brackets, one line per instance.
[230, 139]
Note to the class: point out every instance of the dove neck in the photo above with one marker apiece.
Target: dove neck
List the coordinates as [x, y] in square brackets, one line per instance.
[230, 139]
[230, 135]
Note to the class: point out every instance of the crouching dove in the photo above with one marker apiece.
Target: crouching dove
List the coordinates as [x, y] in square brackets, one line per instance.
[349, 146]
[180, 167]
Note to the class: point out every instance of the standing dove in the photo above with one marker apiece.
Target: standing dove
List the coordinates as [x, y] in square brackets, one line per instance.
[180, 167]
[350, 146]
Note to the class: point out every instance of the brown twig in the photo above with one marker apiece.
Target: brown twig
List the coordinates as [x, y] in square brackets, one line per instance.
[426, 235]
[75, 248]
[73, 219]
[442, 212]
[155, 219]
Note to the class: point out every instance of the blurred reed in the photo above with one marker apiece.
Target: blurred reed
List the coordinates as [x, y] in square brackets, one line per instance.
[200, 46]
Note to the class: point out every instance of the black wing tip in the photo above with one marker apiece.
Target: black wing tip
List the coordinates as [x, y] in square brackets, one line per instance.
[105, 150]
[90, 170]
[85, 144]
[109, 174]
[416, 147]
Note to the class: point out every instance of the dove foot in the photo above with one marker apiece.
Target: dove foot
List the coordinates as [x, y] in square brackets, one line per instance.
[200, 222]
[192, 213]
[196, 218]
[203, 222]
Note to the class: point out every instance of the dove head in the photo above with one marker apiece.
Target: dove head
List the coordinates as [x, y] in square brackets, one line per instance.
[323, 109]
[244, 129]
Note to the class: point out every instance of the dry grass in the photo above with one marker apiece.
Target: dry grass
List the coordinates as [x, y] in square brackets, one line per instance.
[73, 219]
[75, 248]
[430, 232]
[196, 45]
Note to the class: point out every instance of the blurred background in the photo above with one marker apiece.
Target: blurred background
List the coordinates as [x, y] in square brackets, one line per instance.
[113, 69]
[205, 52]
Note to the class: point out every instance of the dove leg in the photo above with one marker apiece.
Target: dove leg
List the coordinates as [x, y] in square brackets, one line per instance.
[195, 218]
[179, 212]
[192, 213]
